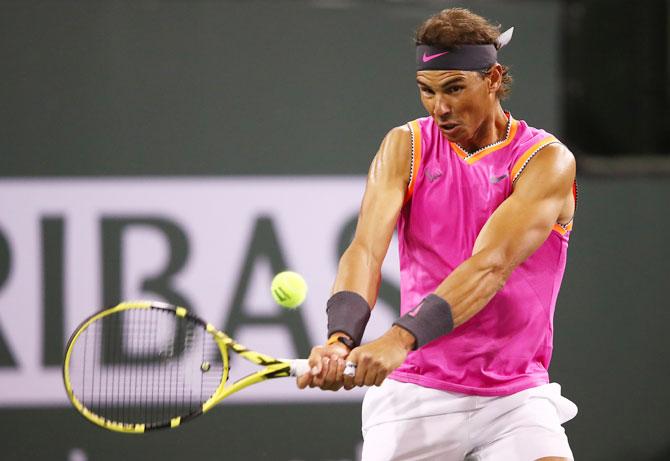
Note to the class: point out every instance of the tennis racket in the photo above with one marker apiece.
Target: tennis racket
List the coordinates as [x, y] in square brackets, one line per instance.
[142, 366]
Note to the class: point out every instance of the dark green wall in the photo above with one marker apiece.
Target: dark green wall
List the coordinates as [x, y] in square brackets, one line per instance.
[612, 349]
[229, 87]
[287, 87]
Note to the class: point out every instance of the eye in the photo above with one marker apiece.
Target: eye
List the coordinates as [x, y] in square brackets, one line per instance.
[455, 89]
[426, 91]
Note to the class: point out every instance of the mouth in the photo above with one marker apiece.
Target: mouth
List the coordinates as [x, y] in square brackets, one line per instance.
[448, 128]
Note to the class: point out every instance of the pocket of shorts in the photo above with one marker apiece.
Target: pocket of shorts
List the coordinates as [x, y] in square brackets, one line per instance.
[566, 409]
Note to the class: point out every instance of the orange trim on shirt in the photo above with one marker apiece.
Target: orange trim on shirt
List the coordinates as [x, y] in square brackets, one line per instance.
[480, 155]
[526, 155]
[415, 131]
[562, 230]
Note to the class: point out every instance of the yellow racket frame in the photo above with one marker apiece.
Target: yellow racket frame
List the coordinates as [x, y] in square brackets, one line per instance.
[274, 368]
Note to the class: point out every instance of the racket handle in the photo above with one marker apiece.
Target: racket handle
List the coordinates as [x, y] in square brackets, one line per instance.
[299, 367]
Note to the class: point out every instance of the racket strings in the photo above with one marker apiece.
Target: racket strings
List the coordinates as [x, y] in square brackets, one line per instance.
[145, 366]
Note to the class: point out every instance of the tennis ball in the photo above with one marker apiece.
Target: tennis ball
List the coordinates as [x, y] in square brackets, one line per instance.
[289, 289]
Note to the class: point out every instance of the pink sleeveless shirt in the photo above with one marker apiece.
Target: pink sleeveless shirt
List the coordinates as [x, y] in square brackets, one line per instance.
[507, 346]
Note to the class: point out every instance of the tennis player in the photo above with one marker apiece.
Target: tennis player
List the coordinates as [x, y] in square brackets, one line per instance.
[483, 204]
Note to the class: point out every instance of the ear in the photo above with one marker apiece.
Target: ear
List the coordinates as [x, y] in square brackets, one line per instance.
[494, 78]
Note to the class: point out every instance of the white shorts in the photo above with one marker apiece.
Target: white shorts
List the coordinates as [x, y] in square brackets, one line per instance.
[403, 421]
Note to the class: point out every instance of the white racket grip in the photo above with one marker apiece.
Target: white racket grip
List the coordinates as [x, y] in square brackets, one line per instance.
[349, 369]
[299, 367]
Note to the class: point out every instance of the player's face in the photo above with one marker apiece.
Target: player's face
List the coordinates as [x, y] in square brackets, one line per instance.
[459, 102]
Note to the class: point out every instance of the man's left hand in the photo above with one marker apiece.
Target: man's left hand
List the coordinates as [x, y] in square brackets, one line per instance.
[377, 359]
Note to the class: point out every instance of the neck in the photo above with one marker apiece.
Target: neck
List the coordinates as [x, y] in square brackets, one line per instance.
[492, 129]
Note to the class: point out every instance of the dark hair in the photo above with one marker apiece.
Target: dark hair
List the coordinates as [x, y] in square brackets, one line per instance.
[459, 26]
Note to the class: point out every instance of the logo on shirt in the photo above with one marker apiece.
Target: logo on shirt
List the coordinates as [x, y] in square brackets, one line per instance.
[433, 174]
[497, 179]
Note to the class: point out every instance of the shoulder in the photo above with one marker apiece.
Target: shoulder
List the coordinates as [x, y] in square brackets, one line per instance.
[559, 156]
[553, 167]
[397, 142]
[407, 138]
[394, 155]
[554, 157]
[399, 135]
[534, 146]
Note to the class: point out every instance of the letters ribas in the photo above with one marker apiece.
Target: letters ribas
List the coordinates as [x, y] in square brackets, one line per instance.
[76, 246]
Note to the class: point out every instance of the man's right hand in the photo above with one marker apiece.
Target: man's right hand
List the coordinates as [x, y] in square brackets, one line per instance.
[326, 367]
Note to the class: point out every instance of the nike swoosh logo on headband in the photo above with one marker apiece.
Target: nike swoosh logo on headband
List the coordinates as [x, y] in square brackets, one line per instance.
[430, 57]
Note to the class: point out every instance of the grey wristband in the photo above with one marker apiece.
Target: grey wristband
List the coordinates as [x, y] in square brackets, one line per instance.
[349, 313]
[429, 320]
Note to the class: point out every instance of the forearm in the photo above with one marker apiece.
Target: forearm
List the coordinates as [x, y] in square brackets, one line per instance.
[517, 228]
[472, 285]
[457, 299]
[359, 271]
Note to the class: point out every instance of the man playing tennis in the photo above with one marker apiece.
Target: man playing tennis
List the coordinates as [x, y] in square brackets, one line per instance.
[483, 204]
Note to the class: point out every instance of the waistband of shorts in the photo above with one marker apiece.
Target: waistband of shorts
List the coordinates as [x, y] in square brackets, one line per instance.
[509, 388]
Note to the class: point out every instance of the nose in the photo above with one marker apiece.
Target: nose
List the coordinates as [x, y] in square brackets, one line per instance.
[442, 109]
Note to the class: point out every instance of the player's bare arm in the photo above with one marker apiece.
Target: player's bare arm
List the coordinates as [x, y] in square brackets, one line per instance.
[541, 198]
[360, 266]
[359, 269]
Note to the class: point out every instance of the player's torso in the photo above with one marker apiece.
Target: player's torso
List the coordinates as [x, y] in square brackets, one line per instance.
[453, 194]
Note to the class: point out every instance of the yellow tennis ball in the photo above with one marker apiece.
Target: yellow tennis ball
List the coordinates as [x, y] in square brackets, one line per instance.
[289, 289]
